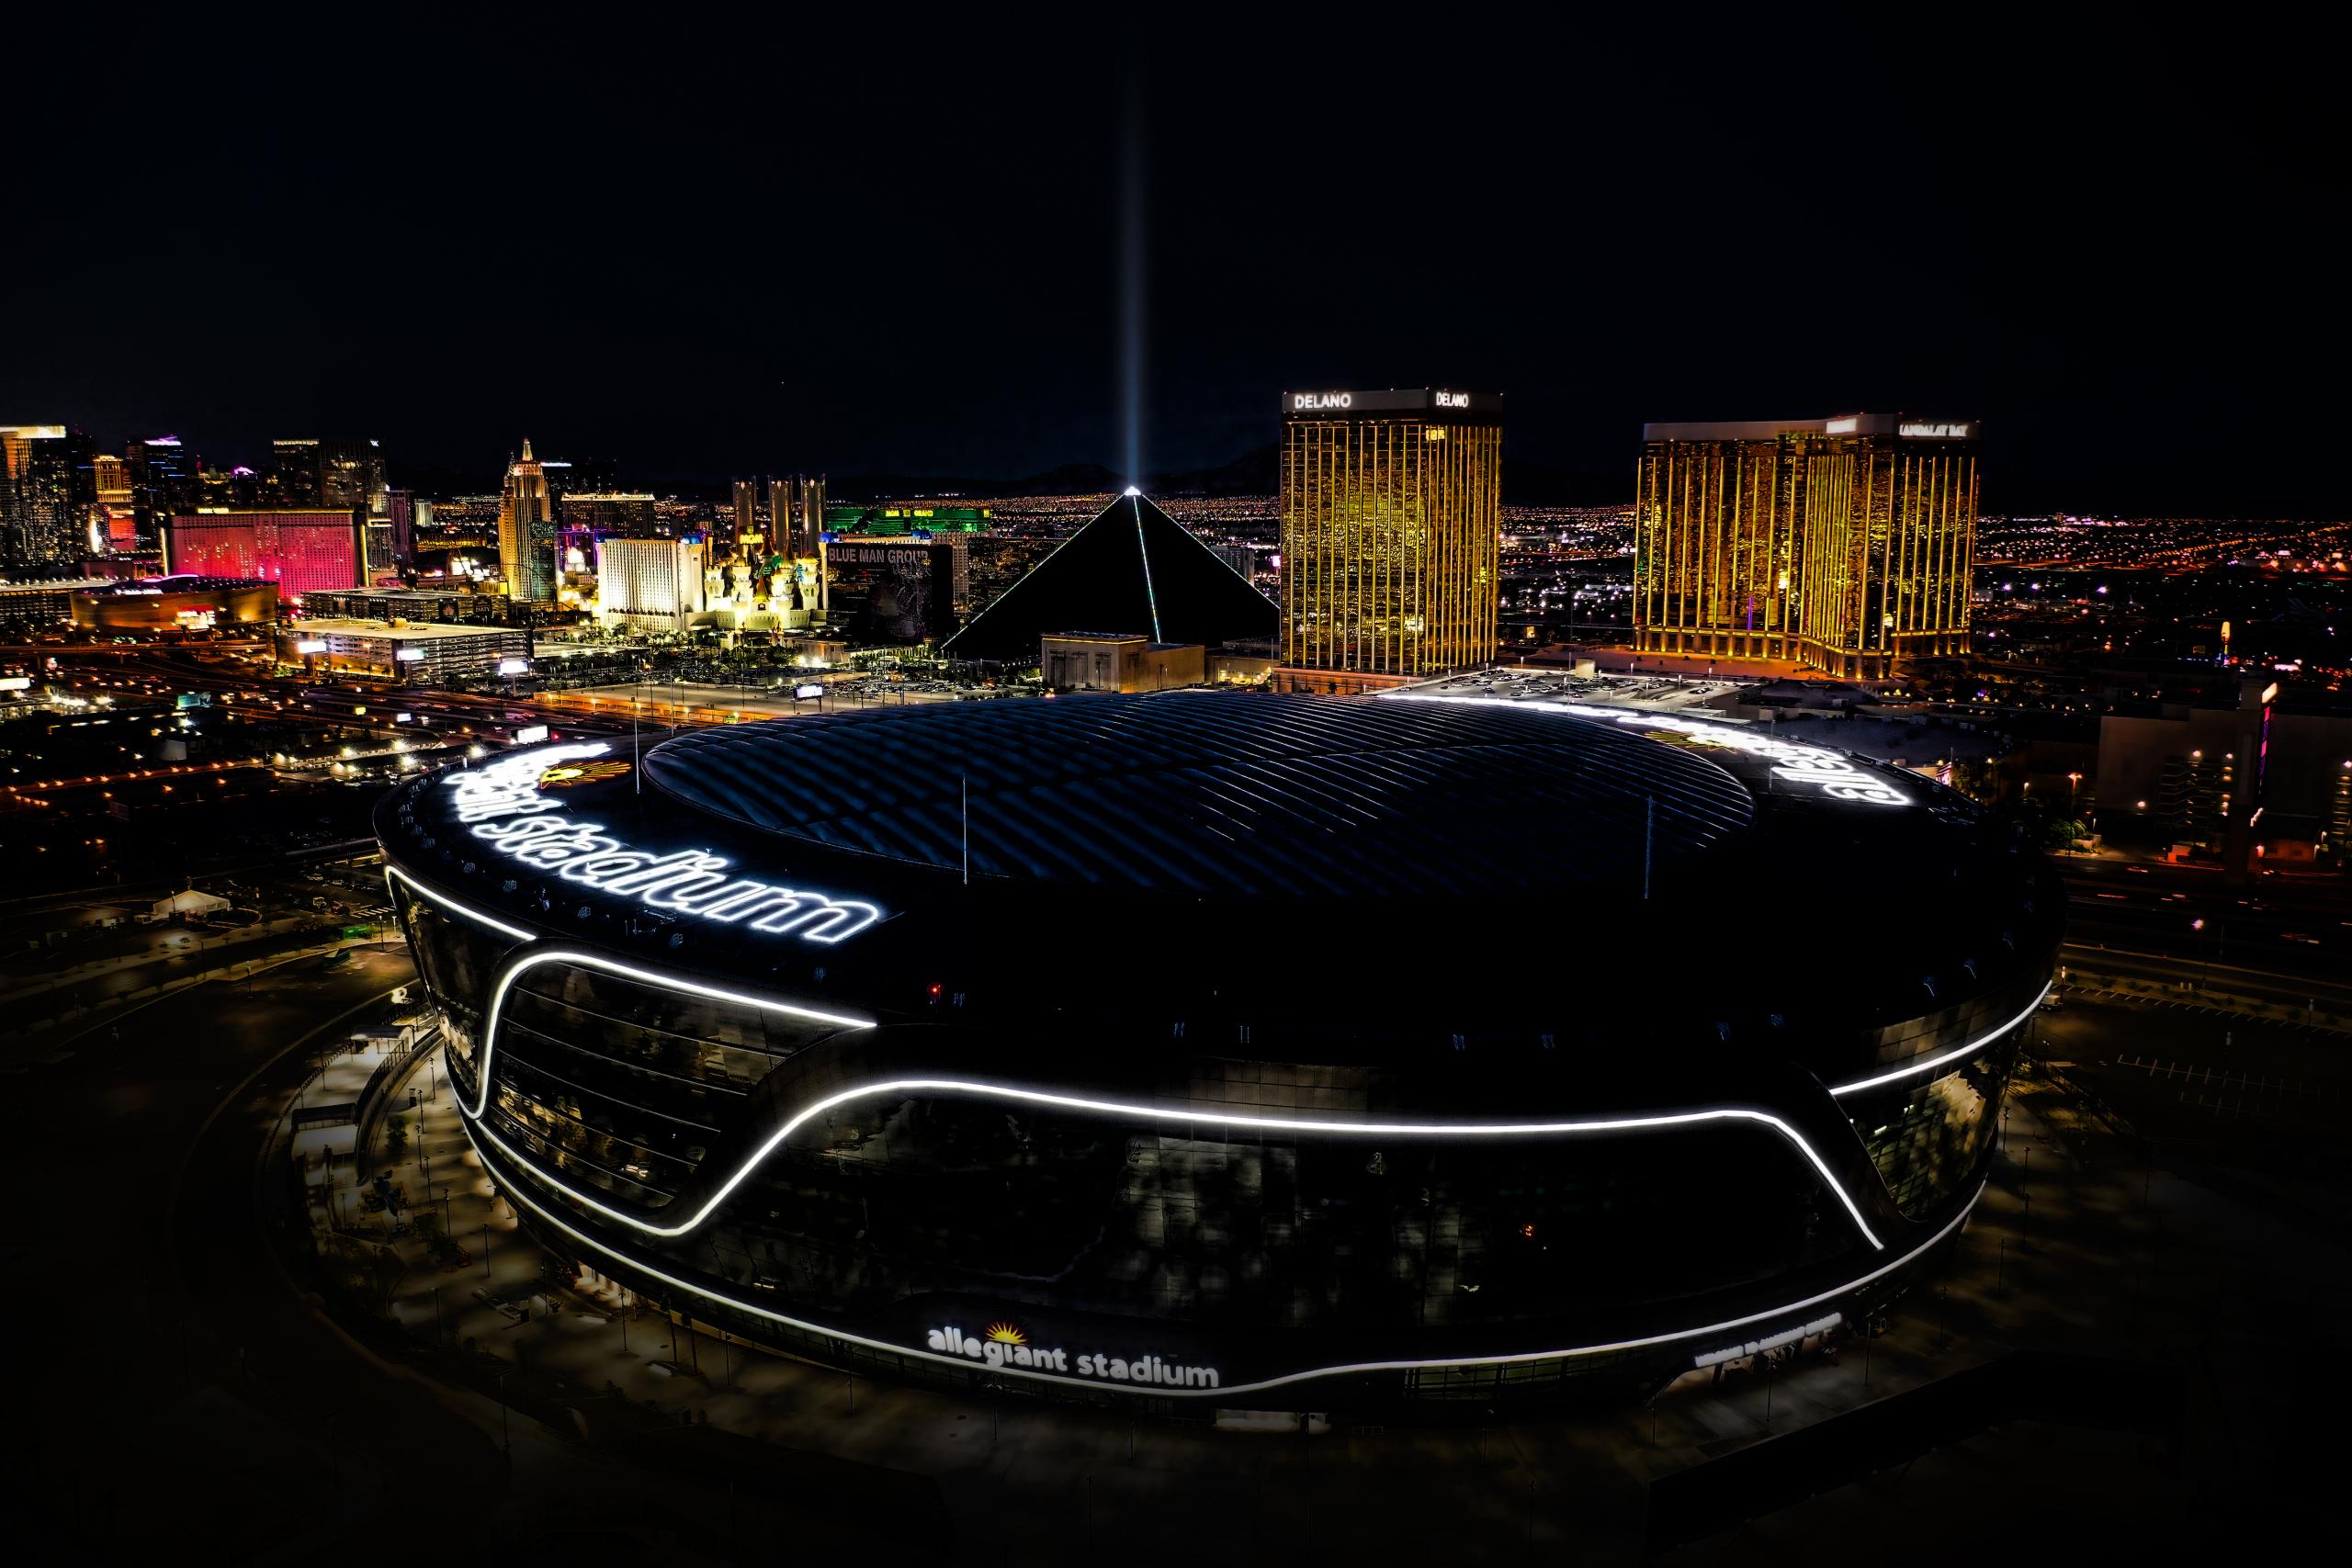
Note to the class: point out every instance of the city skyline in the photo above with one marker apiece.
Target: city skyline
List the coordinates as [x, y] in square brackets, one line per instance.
[2087, 293]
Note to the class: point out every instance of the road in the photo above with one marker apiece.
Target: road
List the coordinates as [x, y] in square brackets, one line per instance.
[2289, 926]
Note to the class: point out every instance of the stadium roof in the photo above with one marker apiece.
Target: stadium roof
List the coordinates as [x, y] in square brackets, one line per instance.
[1206, 794]
[1131, 570]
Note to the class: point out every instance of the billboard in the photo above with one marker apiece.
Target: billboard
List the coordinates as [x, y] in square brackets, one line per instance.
[890, 592]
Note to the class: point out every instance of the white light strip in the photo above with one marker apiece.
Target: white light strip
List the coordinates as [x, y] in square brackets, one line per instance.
[1072, 1103]
[1114, 1108]
[537, 956]
[434, 895]
[1709, 1330]
[1967, 1050]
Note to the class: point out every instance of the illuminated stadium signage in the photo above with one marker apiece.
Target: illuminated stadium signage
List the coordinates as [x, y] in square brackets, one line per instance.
[503, 804]
[1832, 775]
[1005, 1345]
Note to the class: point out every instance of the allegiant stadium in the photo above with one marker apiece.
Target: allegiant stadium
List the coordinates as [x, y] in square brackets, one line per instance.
[1197, 1049]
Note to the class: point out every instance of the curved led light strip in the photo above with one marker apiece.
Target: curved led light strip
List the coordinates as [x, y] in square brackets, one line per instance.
[1191, 1118]
[434, 895]
[1856, 1087]
[1114, 1108]
[1571, 1352]
[537, 956]
[1970, 1049]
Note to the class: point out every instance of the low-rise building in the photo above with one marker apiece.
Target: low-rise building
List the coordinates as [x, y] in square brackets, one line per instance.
[1096, 661]
[411, 651]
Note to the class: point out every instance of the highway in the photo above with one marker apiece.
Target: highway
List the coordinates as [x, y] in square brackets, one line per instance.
[2295, 933]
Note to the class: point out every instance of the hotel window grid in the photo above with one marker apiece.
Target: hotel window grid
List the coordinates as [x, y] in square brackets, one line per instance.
[1852, 553]
[1391, 538]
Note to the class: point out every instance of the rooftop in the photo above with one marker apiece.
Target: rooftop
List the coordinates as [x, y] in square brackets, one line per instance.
[1198, 793]
[331, 626]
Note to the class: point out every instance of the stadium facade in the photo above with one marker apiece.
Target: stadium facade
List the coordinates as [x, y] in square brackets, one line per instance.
[1269, 1052]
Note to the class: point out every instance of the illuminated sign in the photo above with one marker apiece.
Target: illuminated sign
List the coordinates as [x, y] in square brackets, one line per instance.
[803, 694]
[1453, 399]
[408, 655]
[1922, 431]
[530, 734]
[1846, 426]
[513, 666]
[1005, 1345]
[311, 645]
[15, 683]
[1835, 775]
[1304, 400]
[503, 803]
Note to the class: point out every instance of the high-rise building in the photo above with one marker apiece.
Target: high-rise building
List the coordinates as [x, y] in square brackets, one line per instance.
[338, 475]
[610, 514]
[527, 530]
[1841, 543]
[810, 528]
[300, 550]
[238, 486]
[795, 515]
[44, 479]
[351, 474]
[113, 520]
[166, 479]
[403, 512]
[1391, 535]
[747, 517]
[650, 584]
[783, 519]
[293, 480]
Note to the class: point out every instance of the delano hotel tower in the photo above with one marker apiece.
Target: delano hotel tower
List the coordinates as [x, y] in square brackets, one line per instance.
[1392, 526]
[1842, 543]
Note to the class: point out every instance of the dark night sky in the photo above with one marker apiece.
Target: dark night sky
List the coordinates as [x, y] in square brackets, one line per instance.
[705, 251]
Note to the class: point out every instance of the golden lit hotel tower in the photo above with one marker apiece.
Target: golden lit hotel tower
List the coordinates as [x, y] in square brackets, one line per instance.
[1841, 543]
[527, 542]
[1392, 526]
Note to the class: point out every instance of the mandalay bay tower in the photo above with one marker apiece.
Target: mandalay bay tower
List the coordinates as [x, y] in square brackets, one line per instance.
[1391, 531]
[1844, 544]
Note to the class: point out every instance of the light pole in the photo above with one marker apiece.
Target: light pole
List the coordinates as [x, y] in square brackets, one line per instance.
[416, 1110]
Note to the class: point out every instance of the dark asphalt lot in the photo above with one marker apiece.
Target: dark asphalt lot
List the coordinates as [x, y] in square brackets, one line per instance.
[187, 1400]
